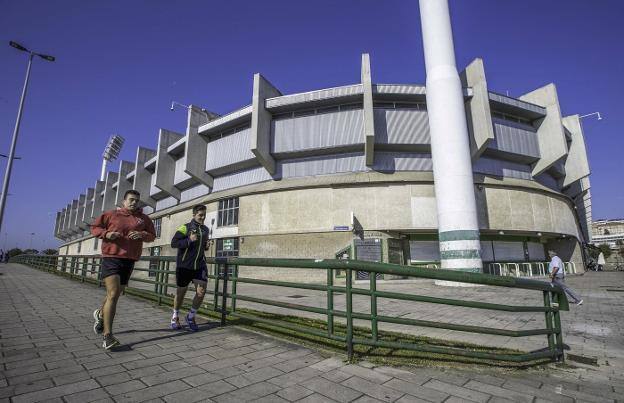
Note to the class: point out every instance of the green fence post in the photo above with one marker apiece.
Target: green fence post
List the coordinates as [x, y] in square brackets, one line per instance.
[558, 330]
[234, 278]
[83, 273]
[549, 322]
[158, 287]
[216, 287]
[349, 315]
[330, 302]
[224, 296]
[157, 272]
[165, 289]
[373, 303]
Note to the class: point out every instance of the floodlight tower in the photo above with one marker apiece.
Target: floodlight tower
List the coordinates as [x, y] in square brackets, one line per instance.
[111, 152]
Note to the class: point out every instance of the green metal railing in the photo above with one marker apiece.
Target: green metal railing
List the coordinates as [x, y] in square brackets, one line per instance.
[226, 270]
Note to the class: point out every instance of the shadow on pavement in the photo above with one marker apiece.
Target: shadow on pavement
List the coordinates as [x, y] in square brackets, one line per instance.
[170, 334]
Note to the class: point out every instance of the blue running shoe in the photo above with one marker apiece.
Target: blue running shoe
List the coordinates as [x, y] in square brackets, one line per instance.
[191, 323]
[175, 324]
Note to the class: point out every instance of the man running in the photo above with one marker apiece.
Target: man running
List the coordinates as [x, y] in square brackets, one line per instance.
[191, 240]
[122, 232]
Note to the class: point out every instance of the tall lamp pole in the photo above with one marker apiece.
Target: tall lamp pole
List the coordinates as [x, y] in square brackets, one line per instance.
[7, 174]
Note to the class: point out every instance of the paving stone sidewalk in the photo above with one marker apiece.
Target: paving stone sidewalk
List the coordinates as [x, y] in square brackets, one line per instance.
[49, 353]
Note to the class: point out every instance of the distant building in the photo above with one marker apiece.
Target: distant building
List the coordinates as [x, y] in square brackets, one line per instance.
[323, 174]
[608, 231]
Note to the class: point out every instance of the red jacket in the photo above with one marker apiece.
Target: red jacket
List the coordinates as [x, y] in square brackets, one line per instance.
[123, 221]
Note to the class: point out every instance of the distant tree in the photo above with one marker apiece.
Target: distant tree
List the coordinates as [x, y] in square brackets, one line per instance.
[49, 252]
[605, 249]
[31, 252]
[15, 252]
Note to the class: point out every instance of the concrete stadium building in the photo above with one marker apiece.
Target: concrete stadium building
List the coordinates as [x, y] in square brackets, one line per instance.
[347, 172]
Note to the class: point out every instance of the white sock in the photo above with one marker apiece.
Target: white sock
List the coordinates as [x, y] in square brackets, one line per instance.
[176, 313]
[192, 313]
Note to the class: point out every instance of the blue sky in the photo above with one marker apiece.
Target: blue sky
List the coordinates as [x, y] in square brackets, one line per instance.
[120, 64]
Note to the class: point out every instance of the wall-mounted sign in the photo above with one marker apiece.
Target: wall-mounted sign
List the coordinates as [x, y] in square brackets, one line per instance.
[341, 228]
[228, 244]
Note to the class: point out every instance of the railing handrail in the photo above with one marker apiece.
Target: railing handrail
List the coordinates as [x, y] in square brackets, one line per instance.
[226, 270]
[383, 268]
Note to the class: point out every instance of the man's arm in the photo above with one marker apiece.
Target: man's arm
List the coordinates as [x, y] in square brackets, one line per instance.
[150, 232]
[556, 265]
[100, 226]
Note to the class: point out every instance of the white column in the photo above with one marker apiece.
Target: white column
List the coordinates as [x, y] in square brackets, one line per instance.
[458, 227]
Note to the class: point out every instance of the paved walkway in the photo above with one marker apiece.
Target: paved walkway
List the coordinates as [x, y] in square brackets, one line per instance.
[49, 353]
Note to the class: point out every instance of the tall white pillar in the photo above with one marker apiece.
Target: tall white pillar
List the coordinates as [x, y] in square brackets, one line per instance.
[458, 228]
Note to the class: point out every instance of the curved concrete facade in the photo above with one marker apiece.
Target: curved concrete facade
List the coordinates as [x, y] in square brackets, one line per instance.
[317, 174]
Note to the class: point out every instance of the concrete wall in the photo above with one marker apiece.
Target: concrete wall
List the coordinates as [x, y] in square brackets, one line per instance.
[98, 200]
[165, 164]
[195, 151]
[143, 177]
[109, 193]
[300, 222]
[478, 113]
[86, 214]
[550, 133]
[521, 210]
[125, 167]
[577, 164]
[368, 115]
[313, 246]
[260, 140]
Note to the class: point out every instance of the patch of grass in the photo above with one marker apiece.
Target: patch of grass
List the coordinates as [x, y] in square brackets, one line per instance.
[379, 355]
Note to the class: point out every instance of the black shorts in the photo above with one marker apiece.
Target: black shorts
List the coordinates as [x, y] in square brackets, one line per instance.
[117, 266]
[185, 276]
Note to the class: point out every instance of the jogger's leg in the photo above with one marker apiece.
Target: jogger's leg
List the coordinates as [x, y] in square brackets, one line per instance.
[200, 293]
[179, 298]
[113, 291]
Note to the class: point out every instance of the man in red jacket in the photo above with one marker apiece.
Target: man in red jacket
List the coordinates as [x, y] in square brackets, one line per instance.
[122, 232]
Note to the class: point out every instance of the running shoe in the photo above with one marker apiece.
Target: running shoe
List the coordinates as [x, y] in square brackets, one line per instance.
[580, 302]
[191, 323]
[98, 326]
[175, 324]
[109, 341]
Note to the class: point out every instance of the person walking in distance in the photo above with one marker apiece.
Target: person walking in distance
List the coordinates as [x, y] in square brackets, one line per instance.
[557, 275]
[191, 240]
[122, 232]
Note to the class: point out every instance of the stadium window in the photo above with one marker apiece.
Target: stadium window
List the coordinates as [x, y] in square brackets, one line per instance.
[281, 116]
[308, 112]
[157, 226]
[348, 107]
[407, 105]
[383, 105]
[228, 212]
[328, 109]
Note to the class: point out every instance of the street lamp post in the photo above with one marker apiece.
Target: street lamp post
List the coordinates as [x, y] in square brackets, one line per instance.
[597, 114]
[11, 157]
